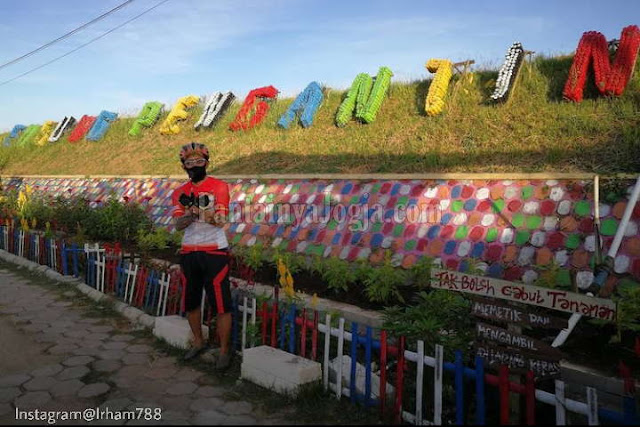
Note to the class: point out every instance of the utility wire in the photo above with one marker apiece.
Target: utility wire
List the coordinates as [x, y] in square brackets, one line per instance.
[44, 46]
[83, 45]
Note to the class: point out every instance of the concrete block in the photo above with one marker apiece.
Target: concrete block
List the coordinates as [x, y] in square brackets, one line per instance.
[84, 288]
[132, 313]
[360, 377]
[95, 295]
[146, 320]
[119, 306]
[54, 275]
[20, 261]
[278, 370]
[175, 330]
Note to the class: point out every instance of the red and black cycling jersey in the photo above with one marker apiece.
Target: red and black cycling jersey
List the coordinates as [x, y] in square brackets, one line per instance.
[200, 235]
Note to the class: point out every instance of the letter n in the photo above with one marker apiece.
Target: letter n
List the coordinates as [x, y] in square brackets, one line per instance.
[610, 79]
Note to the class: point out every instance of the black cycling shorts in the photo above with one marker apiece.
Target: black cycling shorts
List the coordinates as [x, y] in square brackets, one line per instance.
[211, 272]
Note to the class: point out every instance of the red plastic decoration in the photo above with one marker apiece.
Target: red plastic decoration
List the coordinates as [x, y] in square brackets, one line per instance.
[241, 120]
[611, 79]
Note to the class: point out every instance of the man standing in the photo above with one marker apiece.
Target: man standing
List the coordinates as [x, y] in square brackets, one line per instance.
[201, 207]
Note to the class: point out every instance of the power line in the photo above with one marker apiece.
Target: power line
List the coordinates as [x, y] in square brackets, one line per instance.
[44, 46]
[82, 45]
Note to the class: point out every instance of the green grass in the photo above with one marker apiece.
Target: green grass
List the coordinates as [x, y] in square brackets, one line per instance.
[536, 131]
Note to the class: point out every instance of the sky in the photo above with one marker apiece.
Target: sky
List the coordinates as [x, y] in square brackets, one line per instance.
[198, 47]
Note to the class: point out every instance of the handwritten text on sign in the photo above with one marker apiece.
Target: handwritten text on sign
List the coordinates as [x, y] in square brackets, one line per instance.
[501, 311]
[517, 361]
[486, 332]
[543, 297]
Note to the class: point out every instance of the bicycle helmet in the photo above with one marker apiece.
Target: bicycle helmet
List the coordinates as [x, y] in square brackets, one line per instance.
[192, 148]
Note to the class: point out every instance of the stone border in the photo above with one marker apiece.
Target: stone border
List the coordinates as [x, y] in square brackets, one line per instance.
[136, 316]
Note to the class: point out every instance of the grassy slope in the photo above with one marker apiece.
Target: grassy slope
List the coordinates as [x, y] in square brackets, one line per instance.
[536, 131]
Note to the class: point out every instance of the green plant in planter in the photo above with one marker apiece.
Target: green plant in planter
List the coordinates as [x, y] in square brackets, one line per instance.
[116, 221]
[363, 269]
[159, 238]
[317, 264]
[628, 299]
[383, 283]
[175, 238]
[436, 317]
[254, 257]
[338, 274]
[48, 234]
[421, 272]
[70, 213]
[295, 263]
[8, 203]
[80, 237]
[36, 208]
[549, 276]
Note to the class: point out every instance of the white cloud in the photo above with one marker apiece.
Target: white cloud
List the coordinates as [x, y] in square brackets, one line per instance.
[170, 38]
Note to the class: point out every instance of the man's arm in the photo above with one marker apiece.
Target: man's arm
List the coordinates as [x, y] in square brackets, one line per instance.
[184, 221]
[218, 216]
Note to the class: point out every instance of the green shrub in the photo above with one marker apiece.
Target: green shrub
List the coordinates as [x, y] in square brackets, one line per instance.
[158, 238]
[437, 317]
[421, 272]
[294, 262]
[71, 214]
[383, 283]
[115, 221]
[338, 274]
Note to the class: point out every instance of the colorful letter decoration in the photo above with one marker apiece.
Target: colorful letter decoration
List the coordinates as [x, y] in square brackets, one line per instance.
[306, 104]
[101, 125]
[62, 127]
[438, 88]
[147, 117]
[15, 132]
[365, 100]
[29, 134]
[611, 79]
[216, 106]
[178, 113]
[45, 131]
[81, 128]
[508, 73]
[241, 121]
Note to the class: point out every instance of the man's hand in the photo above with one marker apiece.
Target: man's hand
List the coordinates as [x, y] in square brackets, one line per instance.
[217, 219]
[185, 220]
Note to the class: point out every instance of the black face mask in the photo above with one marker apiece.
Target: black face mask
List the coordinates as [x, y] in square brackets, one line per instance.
[197, 173]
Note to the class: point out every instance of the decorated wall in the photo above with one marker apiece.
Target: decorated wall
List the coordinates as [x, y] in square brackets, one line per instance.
[515, 230]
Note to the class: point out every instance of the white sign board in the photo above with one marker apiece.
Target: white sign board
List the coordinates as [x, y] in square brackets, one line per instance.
[554, 299]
